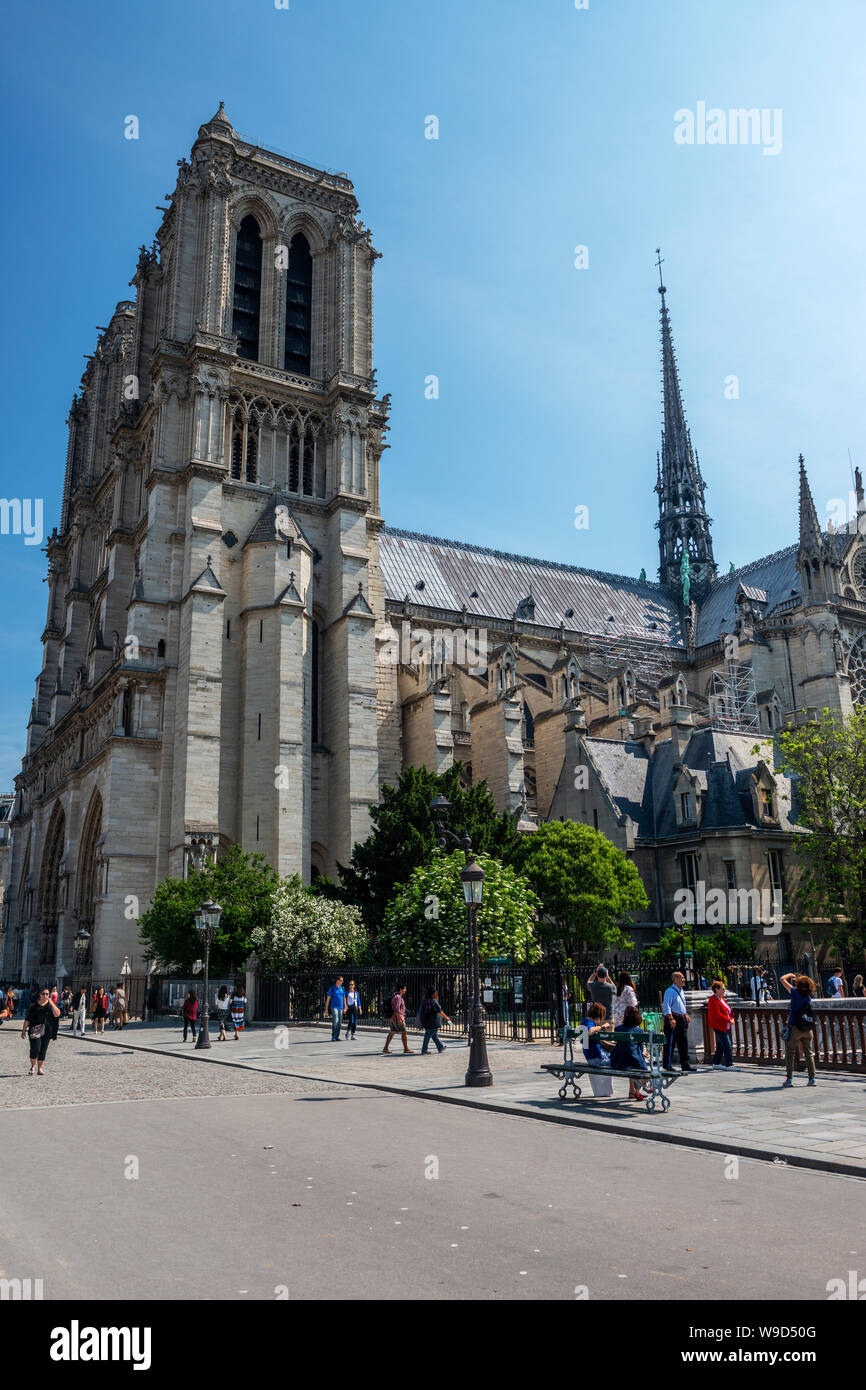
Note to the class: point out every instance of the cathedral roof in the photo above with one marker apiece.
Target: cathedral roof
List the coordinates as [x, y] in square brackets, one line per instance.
[449, 575]
[776, 577]
[723, 764]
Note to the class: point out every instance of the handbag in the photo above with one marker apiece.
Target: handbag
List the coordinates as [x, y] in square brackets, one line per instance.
[37, 1030]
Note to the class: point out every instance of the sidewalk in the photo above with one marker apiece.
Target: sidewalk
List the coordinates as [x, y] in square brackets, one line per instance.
[745, 1112]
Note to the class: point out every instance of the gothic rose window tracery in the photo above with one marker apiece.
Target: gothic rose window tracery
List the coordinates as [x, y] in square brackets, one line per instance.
[858, 571]
[857, 670]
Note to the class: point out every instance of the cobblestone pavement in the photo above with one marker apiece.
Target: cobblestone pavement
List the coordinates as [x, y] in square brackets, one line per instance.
[88, 1072]
[744, 1112]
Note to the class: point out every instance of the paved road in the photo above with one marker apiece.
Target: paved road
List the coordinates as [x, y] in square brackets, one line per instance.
[747, 1111]
[324, 1191]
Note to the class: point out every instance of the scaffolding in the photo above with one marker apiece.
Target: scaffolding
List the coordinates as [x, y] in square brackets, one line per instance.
[650, 659]
[735, 697]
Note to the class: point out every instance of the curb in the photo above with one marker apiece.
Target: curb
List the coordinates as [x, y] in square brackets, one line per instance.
[830, 1165]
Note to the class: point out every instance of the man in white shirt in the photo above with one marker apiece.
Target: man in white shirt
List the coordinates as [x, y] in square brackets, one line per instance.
[676, 1025]
[835, 985]
[79, 1011]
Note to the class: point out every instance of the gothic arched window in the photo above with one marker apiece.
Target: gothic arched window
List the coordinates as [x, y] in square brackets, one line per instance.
[299, 307]
[316, 684]
[89, 886]
[50, 904]
[246, 303]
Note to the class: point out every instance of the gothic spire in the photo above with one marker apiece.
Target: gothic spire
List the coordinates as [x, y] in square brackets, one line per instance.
[684, 526]
[811, 536]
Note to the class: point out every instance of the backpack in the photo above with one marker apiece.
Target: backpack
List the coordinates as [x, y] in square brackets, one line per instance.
[428, 1011]
[804, 1019]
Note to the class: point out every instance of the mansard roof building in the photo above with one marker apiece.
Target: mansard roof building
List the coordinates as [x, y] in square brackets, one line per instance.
[237, 649]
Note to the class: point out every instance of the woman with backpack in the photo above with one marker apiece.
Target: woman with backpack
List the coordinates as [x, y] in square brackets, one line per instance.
[431, 1019]
[798, 1030]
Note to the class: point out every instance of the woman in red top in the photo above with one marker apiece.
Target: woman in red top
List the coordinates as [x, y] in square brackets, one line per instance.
[720, 1016]
[190, 1013]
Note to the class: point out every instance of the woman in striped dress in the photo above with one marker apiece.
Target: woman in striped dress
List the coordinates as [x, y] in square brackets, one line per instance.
[238, 1005]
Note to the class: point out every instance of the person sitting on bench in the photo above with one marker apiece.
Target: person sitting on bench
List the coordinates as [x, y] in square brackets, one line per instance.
[628, 1054]
[597, 1050]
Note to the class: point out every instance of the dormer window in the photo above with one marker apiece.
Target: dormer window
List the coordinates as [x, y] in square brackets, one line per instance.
[686, 805]
[767, 801]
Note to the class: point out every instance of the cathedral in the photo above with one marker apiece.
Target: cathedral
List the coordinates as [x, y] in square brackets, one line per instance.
[238, 650]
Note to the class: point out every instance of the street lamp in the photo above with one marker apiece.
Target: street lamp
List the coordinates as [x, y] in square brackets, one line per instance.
[472, 878]
[207, 920]
[81, 946]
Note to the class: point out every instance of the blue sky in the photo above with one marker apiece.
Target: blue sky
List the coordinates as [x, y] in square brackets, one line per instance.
[556, 129]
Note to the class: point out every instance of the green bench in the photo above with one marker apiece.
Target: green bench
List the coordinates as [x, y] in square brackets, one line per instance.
[655, 1079]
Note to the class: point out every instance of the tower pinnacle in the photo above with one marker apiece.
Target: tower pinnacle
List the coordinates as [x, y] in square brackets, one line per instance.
[684, 526]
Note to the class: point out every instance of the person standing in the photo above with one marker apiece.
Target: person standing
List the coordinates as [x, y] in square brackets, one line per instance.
[237, 1008]
[222, 1008]
[99, 1005]
[190, 1013]
[8, 1007]
[625, 998]
[40, 1025]
[79, 1010]
[720, 1017]
[398, 1019]
[836, 986]
[335, 1000]
[65, 1001]
[798, 1029]
[676, 1025]
[601, 989]
[119, 1014]
[432, 1017]
[353, 1010]
[858, 989]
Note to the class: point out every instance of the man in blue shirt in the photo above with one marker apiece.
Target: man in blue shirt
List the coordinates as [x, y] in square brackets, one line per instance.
[676, 1024]
[835, 985]
[336, 1002]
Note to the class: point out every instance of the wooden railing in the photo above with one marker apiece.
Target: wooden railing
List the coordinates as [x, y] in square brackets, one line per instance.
[838, 1039]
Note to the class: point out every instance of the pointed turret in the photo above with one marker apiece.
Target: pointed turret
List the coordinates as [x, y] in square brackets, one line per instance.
[811, 537]
[817, 555]
[684, 526]
[218, 125]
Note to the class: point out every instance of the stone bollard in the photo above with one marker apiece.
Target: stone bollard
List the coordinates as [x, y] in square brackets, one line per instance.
[696, 1003]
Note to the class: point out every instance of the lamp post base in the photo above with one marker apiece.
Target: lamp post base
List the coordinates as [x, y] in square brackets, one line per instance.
[478, 1072]
[203, 1040]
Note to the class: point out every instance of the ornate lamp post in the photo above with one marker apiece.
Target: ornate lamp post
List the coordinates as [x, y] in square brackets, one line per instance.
[207, 919]
[472, 878]
[81, 945]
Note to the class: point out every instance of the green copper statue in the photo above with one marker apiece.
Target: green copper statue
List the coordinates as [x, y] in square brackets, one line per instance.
[642, 576]
[732, 570]
[685, 569]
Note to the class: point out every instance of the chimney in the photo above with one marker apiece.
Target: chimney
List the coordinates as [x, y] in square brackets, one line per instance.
[644, 732]
[681, 730]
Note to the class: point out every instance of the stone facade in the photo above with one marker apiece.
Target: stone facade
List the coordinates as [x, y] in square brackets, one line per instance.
[237, 650]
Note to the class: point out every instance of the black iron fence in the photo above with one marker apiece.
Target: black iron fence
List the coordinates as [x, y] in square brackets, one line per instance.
[522, 1002]
[519, 1000]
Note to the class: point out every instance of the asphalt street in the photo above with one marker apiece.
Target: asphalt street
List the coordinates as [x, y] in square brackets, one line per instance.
[299, 1189]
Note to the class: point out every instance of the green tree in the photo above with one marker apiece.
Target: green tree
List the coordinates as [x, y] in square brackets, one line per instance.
[826, 759]
[712, 948]
[243, 885]
[307, 929]
[404, 836]
[588, 888]
[426, 920]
